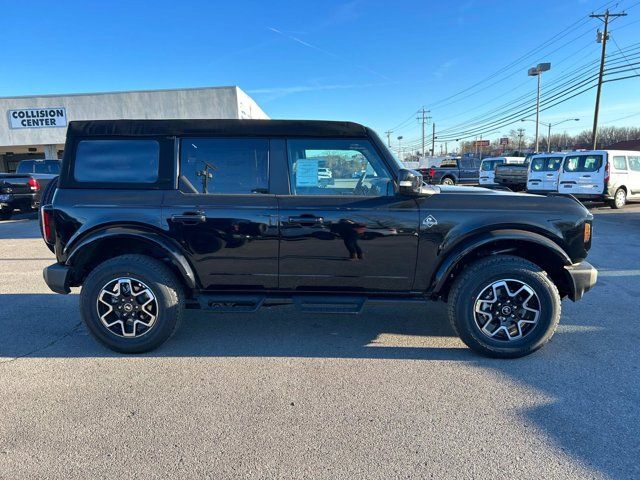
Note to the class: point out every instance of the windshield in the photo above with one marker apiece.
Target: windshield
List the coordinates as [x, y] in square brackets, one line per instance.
[489, 165]
[35, 166]
[582, 163]
[546, 164]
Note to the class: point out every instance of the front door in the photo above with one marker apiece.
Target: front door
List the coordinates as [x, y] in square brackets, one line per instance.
[223, 214]
[349, 232]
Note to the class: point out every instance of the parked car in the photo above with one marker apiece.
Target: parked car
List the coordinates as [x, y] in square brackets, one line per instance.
[488, 167]
[543, 173]
[42, 170]
[612, 176]
[18, 192]
[454, 171]
[513, 175]
[144, 235]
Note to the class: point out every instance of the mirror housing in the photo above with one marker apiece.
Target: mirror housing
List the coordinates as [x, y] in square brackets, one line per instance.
[409, 182]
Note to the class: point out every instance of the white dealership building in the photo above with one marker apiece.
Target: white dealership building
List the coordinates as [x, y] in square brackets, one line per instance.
[35, 126]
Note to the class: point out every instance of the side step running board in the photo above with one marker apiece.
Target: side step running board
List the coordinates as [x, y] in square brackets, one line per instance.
[334, 304]
[329, 304]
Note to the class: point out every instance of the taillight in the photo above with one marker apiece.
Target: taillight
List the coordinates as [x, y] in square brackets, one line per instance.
[47, 231]
[432, 172]
[33, 183]
[607, 172]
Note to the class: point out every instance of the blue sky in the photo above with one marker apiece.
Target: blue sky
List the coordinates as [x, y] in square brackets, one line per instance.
[374, 62]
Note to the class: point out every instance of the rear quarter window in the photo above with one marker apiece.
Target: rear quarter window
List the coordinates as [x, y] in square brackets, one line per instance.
[117, 161]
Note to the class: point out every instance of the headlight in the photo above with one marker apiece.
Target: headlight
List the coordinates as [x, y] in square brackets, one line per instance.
[5, 197]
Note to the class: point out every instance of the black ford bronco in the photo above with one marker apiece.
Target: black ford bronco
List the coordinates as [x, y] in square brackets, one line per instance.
[154, 216]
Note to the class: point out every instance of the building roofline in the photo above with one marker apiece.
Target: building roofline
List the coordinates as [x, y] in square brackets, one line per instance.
[121, 91]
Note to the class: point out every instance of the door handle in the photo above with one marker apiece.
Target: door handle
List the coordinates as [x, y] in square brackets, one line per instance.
[189, 218]
[306, 220]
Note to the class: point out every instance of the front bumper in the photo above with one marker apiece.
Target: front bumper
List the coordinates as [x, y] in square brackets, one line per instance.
[56, 277]
[583, 276]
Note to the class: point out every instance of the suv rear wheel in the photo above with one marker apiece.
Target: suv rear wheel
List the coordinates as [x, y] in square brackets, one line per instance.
[132, 303]
[504, 306]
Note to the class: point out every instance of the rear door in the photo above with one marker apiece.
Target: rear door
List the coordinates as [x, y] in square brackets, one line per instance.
[537, 174]
[552, 168]
[223, 214]
[352, 234]
[583, 174]
[468, 171]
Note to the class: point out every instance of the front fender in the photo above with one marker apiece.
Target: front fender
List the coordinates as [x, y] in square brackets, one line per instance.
[460, 251]
[77, 255]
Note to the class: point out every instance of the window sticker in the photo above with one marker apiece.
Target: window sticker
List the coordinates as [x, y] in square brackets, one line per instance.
[307, 172]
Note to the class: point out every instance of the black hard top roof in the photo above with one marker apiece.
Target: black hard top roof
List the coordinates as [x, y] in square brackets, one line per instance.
[289, 128]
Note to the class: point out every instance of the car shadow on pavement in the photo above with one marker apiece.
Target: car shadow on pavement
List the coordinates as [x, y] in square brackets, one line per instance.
[27, 328]
[21, 226]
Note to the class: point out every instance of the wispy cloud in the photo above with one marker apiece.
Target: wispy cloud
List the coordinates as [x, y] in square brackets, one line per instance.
[326, 52]
[444, 68]
[273, 93]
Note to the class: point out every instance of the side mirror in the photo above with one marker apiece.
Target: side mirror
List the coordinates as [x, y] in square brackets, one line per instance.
[409, 182]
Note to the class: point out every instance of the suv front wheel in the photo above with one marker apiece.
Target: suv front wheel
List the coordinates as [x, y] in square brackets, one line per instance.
[504, 306]
[132, 303]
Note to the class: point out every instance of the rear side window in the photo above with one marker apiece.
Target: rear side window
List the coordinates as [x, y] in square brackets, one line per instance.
[620, 163]
[582, 163]
[634, 163]
[117, 161]
[224, 166]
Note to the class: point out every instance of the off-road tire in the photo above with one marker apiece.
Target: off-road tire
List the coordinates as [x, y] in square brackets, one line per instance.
[154, 274]
[475, 278]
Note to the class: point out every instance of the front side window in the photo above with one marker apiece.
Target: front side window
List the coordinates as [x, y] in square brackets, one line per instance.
[117, 161]
[582, 163]
[337, 167]
[224, 166]
[620, 163]
[634, 163]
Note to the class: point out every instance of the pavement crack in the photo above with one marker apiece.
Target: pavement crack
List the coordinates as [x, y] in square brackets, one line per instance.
[44, 347]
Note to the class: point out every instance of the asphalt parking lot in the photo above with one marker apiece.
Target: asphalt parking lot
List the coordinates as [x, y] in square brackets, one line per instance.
[388, 394]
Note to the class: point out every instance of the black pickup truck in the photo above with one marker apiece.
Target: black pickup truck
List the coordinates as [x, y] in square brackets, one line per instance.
[18, 192]
[453, 171]
[153, 216]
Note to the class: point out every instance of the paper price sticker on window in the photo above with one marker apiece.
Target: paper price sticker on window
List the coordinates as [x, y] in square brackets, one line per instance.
[307, 173]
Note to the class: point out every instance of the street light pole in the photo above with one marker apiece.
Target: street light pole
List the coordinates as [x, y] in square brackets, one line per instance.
[549, 125]
[537, 72]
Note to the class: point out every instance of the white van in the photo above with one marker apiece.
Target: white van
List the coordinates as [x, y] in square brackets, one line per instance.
[544, 170]
[488, 168]
[612, 176]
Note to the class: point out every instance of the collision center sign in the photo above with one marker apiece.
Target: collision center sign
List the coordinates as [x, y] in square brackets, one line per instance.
[46, 117]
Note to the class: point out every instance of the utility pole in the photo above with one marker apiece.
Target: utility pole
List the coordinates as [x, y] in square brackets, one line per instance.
[423, 119]
[520, 135]
[388, 134]
[433, 139]
[603, 38]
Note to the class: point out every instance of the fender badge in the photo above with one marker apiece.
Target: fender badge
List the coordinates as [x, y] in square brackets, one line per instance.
[430, 221]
